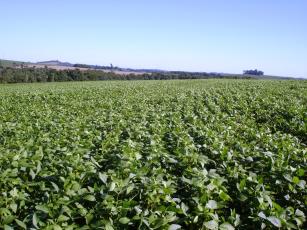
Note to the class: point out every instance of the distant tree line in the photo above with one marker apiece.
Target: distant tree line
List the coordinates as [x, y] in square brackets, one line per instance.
[97, 67]
[32, 74]
[253, 72]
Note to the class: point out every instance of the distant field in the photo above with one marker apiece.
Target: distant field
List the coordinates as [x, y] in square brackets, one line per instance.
[17, 64]
[56, 67]
[190, 154]
[9, 63]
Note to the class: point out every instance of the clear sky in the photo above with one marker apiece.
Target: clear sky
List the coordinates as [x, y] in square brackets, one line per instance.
[193, 35]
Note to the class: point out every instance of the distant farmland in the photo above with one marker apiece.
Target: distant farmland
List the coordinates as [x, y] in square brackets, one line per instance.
[56, 65]
[10, 63]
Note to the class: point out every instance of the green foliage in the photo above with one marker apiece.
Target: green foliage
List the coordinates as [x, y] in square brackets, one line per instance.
[203, 154]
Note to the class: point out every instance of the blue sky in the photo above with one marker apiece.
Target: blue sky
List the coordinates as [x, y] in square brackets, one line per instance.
[193, 35]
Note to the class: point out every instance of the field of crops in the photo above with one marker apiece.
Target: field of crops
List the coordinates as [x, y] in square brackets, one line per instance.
[198, 154]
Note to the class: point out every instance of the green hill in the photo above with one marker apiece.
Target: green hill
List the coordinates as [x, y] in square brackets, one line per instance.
[11, 63]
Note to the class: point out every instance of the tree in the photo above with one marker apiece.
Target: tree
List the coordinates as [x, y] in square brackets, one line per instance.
[253, 72]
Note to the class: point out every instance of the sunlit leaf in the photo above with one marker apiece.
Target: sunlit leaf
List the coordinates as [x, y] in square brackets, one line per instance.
[275, 221]
[212, 224]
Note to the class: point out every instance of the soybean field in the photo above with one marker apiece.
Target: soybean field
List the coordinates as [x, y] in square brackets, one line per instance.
[181, 154]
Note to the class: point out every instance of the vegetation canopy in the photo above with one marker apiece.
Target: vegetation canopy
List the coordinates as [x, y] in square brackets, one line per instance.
[190, 154]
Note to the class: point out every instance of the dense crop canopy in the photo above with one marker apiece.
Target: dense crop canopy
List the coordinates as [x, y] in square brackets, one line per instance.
[202, 154]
